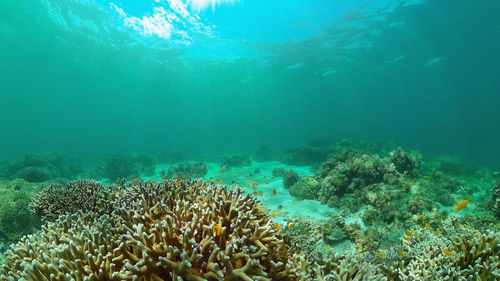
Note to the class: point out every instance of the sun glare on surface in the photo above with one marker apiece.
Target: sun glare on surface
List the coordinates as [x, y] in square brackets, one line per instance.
[203, 4]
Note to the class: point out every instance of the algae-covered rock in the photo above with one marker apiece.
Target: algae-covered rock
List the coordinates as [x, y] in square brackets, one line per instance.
[236, 161]
[278, 172]
[183, 170]
[306, 188]
[290, 178]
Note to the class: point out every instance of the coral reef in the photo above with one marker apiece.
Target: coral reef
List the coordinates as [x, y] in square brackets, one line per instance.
[194, 170]
[76, 196]
[495, 200]
[305, 155]
[405, 162]
[236, 161]
[278, 172]
[16, 219]
[350, 171]
[306, 188]
[42, 167]
[124, 166]
[290, 178]
[457, 254]
[177, 230]
[264, 154]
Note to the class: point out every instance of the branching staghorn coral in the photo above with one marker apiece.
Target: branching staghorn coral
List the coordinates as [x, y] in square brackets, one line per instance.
[176, 230]
[460, 255]
[79, 195]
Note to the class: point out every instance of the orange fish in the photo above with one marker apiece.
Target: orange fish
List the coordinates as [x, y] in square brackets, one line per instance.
[222, 169]
[277, 225]
[220, 181]
[273, 192]
[447, 253]
[461, 205]
[217, 229]
[291, 225]
[257, 193]
[409, 234]
[437, 232]
[401, 254]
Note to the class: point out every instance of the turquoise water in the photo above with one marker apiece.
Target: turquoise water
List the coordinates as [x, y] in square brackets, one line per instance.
[358, 138]
[93, 77]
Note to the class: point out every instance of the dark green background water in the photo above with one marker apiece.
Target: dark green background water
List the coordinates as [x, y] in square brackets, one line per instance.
[426, 75]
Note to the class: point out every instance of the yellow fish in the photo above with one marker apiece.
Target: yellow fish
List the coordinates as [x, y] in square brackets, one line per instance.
[217, 229]
[277, 225]
[409, 234]
[273, 192]
[291, 225]
[402, 254]
[461, 205]
[426, 226]
[328, 246]
[437, 232]
[380, 254]
[447, 253]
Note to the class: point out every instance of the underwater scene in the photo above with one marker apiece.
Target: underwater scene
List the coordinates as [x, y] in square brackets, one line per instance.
[209, 140]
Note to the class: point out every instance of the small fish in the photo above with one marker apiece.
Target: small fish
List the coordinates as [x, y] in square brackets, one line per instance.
[447, 253]
[409, 234]
[233, 182]
[217, 229]
[222, 169]
[156, 212]
[278, 227]
[220, 181]
[402, 254]
[437, 232]
[273, 192]
[380, 254]
[328, 246]
[202, 167]
[299, 199]
[162, 174]
[184, 176]
[257, 193]
[291, 225]
[246, 175]
[461, 205]
[266, 183]
[275, 214]
[254, 183]
[247, 185]
[426, 226]
[265, 177]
